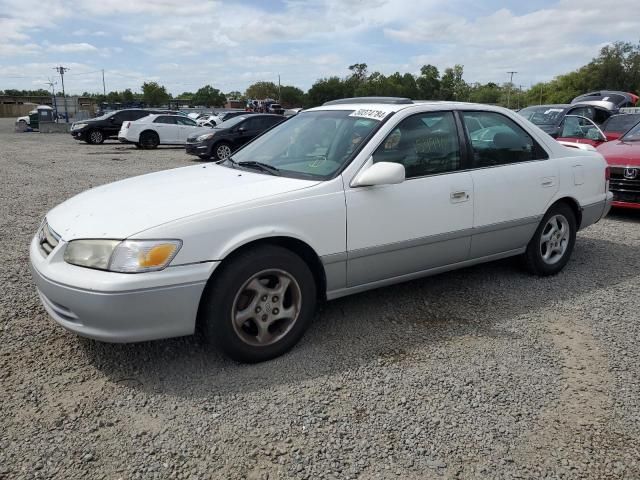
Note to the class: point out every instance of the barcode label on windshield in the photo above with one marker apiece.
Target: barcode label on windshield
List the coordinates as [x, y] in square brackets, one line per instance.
[366, 113]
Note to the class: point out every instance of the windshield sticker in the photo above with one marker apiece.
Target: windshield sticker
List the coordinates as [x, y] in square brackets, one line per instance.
[552, 110]
[366, 113]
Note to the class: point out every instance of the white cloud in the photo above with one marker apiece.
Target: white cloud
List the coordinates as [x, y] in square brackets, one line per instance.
[72, 48]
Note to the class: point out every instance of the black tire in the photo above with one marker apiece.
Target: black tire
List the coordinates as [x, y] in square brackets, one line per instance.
[95, 137]
[561, 244]
[221, 151]
[218, 309]
[149, 140]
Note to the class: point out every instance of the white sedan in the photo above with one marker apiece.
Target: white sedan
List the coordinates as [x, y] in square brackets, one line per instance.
[160, 129]
[209, 121]
[353, 195]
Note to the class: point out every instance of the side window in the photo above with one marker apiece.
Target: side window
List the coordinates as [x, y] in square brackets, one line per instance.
[588, 112]
[425, 144]
[500, 141]
[253, 124]
[165, 119]
[136, 115]
[185, 121]
[119, 117]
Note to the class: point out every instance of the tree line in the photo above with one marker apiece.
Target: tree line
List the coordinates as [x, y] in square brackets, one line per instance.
[617, 67]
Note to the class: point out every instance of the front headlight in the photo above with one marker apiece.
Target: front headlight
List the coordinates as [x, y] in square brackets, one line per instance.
[78, 126]
[129, 256]
[204, 137]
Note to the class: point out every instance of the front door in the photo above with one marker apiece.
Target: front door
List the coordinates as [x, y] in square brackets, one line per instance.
[513, 182]
[424, 222]
[577, 129]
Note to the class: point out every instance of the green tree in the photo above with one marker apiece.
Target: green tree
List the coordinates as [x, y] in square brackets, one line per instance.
[291, 96]
[127, 96]
[428, 83]
[154, 95]
[209, 97]
[262, 90]
[235, 95]
[326, 89]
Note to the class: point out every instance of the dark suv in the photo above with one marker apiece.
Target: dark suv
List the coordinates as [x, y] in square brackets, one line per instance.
[97, 130]
[221, 141]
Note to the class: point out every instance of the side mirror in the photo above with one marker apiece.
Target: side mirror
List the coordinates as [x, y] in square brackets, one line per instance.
[382, 173]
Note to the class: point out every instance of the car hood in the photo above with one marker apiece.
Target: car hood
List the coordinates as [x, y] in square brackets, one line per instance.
[121, 209]
[621, 153]
[201, 131]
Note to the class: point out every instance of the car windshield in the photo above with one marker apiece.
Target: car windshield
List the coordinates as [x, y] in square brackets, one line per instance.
[543, 115]
[621, 123]
[232, 122]
[312, 144]
[632, 135]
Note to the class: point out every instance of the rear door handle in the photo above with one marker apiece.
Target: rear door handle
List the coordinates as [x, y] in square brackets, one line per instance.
[548, 182]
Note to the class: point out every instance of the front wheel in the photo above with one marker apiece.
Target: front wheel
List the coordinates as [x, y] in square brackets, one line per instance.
[259, 305]
[222, 151]
[96, 137]
[551, 246]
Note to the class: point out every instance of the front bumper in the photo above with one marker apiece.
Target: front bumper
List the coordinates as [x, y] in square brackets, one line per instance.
[79, 134]
[198, 149]
[114, 307]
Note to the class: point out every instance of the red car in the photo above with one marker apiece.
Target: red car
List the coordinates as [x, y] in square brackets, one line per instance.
[623, 157]
[617, 125]
[579, 129]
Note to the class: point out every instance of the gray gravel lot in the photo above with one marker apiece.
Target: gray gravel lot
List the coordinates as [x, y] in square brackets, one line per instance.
[485, 372]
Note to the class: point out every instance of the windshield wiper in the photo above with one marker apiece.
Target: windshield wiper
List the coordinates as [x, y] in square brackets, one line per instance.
[259, 166]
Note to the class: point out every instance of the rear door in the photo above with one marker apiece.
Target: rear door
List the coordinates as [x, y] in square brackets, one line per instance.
[167, 129]
[513, 182]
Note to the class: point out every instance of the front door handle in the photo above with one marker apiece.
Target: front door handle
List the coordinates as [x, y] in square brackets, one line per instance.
[460, 196]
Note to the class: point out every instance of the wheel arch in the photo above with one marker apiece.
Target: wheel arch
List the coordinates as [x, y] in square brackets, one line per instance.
[148, 130]
[574, 205]
[295, 245]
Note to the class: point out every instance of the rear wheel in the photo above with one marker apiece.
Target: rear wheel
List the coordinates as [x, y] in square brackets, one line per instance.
[551, 246]
[95, 137]
[149, 140]
[260, 304]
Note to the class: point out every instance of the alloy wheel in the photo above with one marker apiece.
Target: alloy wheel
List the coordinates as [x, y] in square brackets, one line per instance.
[554, 239]
[266, 307]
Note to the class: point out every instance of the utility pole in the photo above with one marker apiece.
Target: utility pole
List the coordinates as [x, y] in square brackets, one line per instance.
[509, 90]
[104, 89]
[60, 69]
[51, 83]
[519, 95]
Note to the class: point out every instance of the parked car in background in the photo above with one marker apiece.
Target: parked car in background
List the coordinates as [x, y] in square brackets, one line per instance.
[276, 108]
[221, 141]
[209, 121]
[617, 125]
[224, 116]
[97, 130]
[549, 117]
[350, 196]
[158, 129]
[623, 157]
[577, 129]
[601, 97]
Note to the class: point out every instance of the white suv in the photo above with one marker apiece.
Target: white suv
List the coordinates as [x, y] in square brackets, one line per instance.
[353, 195]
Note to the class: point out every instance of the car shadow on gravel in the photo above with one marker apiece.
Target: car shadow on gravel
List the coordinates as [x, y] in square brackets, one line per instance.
[624, 215]
[383, 324]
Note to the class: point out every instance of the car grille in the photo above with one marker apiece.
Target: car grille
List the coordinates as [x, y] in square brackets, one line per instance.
[625, 184]
[47, 239]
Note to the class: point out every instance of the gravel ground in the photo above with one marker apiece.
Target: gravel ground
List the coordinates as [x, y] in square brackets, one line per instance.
[485, 372]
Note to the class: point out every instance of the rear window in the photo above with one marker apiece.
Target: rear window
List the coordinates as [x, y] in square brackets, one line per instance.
[543, 115]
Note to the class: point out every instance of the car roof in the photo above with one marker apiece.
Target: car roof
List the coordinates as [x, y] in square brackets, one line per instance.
[385, 108]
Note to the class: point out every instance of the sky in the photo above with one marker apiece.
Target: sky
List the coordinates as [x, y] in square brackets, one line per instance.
[185, 44]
